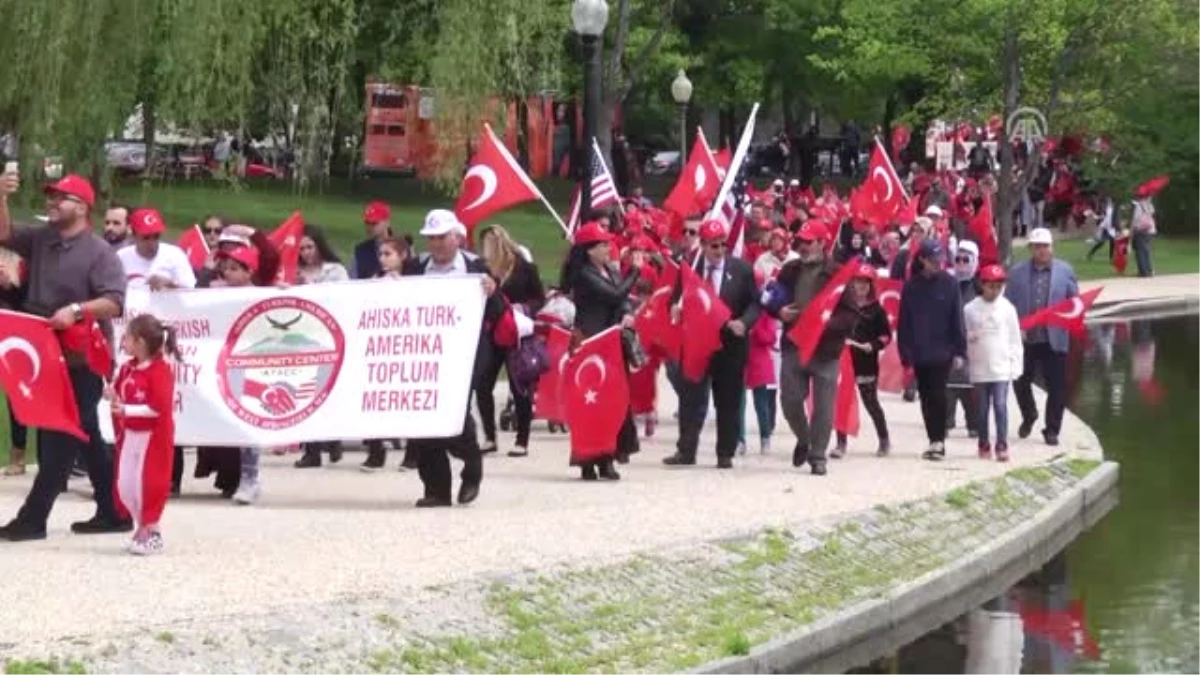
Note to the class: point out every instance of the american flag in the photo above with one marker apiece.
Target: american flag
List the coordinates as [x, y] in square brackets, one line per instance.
[729, 208]
[604, 190]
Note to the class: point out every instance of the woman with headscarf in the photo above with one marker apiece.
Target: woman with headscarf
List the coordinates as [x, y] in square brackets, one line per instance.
[958, 385]
[601, 297]
[519, 281]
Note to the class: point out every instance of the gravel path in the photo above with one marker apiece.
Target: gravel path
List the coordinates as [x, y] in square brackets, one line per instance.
[322, 537]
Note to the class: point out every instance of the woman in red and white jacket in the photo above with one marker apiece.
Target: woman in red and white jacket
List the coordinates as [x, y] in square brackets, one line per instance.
[142, 398]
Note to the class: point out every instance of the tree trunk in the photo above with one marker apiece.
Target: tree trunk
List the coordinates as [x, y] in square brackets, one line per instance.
[889, 115]
[1009, 191]
[149, 127]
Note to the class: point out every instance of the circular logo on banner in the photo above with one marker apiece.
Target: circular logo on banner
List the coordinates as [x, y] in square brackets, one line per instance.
[280, 362]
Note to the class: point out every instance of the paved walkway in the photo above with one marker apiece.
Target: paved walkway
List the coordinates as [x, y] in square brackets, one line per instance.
[1125, 289]
[325, 535]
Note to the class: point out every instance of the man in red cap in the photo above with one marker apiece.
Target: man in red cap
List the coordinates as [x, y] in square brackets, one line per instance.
[732, 279]
[377, 219]
[73, 272]
[151, 262]
[799, 281]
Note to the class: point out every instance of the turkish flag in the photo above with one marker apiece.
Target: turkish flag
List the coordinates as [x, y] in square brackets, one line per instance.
[882, 183]
[1120, 259]
[723, 158]
[493, 182]
[891, 374]
[1068, 314]
[889, 291]
[704, 314]
[698, 181]
[901, 134]
[595, 391]
[286, 239]
[981, 230]
[845, 412]
[548, 400]
[807, 330]
[34, 375]
[652, 322]
[88, 339]
[195, 247]
[907, 215]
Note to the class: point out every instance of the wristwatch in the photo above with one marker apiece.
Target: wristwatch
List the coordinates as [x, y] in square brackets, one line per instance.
[77, 310]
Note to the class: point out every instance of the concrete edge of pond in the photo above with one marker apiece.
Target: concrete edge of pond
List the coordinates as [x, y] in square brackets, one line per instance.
[1122, 310]
[862, 632]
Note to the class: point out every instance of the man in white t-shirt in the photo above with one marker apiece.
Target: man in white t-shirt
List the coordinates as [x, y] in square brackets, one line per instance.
[153, 263]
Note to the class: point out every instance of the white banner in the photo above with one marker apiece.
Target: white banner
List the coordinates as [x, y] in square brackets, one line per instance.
[355, 360]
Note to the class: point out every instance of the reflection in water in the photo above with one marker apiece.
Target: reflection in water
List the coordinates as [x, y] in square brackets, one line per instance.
[1125, 597]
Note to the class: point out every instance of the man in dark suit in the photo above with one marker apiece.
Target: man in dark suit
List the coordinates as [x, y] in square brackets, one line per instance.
[433, 461]
[731, 279]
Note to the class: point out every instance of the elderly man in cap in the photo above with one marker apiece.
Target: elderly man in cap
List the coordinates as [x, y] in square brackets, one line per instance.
[151, 262]
[377, 219]
[1035, 284]
[433, 463]
[73, 274]
[931, 338]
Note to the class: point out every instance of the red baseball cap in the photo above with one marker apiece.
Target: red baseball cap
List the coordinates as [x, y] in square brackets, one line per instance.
[74, 186]
[992, 273]
[376, 212]
[866, 271]
[812, 230]
[146, 222]
[591, 233]
[246, 255]
[711, 229]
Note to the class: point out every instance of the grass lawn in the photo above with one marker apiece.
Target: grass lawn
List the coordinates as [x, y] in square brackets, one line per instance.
[1171, 256]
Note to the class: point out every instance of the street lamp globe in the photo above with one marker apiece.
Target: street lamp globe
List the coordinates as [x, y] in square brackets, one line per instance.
[681, 88]
[589, 16]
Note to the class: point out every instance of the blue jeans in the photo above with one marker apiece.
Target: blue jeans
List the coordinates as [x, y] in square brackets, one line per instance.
[993, 396]
[764, 409]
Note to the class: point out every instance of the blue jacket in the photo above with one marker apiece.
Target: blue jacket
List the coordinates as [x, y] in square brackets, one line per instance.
[1063, 285]
[365, 264]
[931, 326]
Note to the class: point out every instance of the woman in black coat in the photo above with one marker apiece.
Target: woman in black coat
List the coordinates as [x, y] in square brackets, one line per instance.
[519, 281]
[601, 298]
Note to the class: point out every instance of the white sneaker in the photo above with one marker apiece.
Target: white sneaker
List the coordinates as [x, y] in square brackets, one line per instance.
[247, 493]
[151, 545]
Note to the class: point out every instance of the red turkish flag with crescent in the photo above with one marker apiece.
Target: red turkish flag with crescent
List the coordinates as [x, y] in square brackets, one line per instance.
[652, 322]
[884, 186]
[88, 339]
[704, 314]
[981, 230]
[595, 391]
[286, 239]
[1068, 314]
[698, 181]
[549, 400]
[194, 246]
[493, 182]
[807, 330]
[1120, 259]
[34, 375]
[845, 411]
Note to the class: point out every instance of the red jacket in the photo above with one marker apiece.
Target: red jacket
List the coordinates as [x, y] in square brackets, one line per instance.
[760, 365]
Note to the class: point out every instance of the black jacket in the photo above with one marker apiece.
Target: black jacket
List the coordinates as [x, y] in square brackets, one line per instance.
[601, 301]
[524, 286]
[872, 328]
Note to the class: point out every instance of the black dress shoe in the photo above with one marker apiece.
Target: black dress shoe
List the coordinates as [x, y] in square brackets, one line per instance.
[468, 492]
[1026, 428]
[1050, 437]
[622, 458]
[432, 502]
[587, 472]
[335, 453]
[818, 469]
[309, 460]
[607, 472]
[102, 525]
[679, 460]
[799, 456]
[17, 530]
[724, 462]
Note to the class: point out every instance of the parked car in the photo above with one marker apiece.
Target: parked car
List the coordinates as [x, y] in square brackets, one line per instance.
[664, 162]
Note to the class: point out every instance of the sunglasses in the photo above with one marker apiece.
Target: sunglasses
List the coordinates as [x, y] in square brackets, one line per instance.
[962, 260]
[212, 230]
[805, 242]
[716, 246]
[691, 233]
[113, 222]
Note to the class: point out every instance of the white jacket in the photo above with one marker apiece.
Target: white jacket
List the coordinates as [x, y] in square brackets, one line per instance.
[994, 349]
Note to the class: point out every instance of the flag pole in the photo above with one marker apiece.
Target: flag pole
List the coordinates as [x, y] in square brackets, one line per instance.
[883, 151]
[525, 177]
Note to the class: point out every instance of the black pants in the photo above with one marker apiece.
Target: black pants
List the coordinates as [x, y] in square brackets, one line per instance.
[484, 394]
[1104, 237]
[1053, 367]
[931, 387]
[725, 380]
[177, 469]
[966, 397]
[433, 459]
[868, 393]
[58, 452]
[19, 433]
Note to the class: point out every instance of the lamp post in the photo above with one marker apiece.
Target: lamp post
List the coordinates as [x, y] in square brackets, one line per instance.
[589, 17]
[681, 91]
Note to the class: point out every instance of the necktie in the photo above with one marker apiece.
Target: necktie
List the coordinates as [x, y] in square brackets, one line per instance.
[712, 279]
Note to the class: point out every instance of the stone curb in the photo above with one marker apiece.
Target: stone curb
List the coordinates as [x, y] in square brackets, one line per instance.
[1128, 309]
[863, 632]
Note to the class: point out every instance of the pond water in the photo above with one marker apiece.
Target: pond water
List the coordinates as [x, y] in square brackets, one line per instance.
[1124, 597]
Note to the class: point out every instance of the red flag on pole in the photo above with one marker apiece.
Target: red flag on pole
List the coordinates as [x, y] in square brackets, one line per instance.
[493, 182]
[984, 233]
[596, 394]
[549, 395]
[86, 337]
[286, 239]
[704, 314]
[1120, 259]
[1068, 314]
[34, 375]
[194, 246]
[698, 181]
[807, 330]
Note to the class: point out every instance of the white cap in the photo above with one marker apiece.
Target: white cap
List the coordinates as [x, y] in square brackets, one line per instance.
[795, 182]
[924, 224]
[777, 181]
[232, 238]
[934, 211]
[1041, 235]
[439, 222]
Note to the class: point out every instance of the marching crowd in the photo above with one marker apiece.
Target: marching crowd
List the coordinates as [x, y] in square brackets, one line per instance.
[955, 330]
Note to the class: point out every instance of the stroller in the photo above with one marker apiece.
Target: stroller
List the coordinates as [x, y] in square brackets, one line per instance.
[558, 311]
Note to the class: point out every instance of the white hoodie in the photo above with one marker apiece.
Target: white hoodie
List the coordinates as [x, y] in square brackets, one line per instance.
[994, 349]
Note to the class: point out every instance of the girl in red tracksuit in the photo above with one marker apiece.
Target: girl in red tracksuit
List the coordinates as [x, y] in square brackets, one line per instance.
[143, 408]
